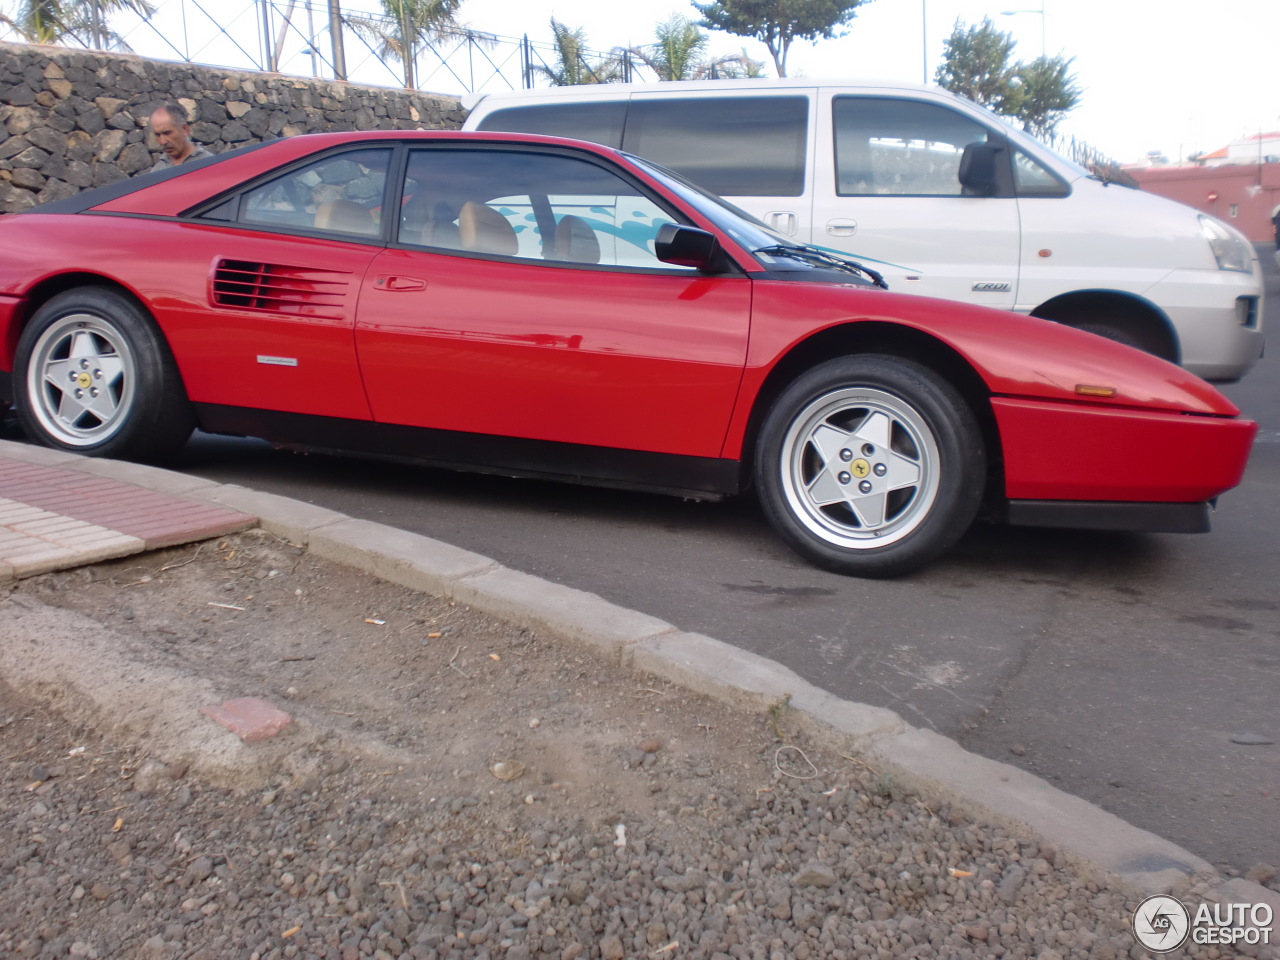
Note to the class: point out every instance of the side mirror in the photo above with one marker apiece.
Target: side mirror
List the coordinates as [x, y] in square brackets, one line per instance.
[979, 170]
[685, 246]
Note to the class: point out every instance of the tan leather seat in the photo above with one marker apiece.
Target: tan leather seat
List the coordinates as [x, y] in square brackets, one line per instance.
[441, 233]
[429, 222]
[485, 230]
[345, 216]
[576, 241]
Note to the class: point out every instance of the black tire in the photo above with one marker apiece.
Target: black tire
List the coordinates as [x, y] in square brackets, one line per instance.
[93, 375]
[915, 458]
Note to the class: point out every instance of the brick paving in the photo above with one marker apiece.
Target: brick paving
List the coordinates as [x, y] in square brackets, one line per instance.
[52, 518]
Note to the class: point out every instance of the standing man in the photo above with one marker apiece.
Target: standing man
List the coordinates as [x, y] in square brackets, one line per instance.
[170, 126]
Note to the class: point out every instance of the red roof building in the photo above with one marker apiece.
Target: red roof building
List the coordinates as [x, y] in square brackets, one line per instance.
[1239, 184]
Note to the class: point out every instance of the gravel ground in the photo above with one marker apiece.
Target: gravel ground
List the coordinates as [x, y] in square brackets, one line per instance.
[454, 786]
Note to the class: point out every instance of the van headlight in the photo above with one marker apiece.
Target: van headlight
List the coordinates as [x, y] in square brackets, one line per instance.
[1230, 249]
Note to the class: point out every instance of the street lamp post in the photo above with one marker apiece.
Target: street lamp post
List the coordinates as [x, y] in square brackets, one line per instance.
[924, 41]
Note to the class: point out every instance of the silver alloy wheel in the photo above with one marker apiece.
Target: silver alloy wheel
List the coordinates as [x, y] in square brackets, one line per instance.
[859, 468]
[81, 379]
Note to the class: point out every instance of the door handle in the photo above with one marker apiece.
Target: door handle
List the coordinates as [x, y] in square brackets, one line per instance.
[783, 221]
[400, 284]
[842, 228]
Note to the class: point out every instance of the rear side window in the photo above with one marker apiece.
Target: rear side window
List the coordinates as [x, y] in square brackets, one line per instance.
[597, 122]
[341, 193]
[900, 147]
[732, 146]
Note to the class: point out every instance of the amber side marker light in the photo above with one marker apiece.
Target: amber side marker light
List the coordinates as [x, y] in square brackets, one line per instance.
[1088, 390]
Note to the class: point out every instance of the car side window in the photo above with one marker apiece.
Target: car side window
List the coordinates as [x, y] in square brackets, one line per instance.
[886, 146]
[530, 206]
[342, 193]
[731, 146]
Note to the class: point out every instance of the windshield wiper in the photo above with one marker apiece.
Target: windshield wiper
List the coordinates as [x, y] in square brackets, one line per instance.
[822, 258]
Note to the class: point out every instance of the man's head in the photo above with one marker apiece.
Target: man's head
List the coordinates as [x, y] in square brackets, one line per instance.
[170, 126]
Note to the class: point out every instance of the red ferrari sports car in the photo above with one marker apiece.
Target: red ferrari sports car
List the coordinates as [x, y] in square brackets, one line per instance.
[541, 307]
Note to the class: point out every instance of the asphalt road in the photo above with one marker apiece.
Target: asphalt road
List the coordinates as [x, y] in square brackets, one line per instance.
[1120, 667]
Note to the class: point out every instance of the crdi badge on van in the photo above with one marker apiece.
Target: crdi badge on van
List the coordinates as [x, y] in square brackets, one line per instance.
[940, 196]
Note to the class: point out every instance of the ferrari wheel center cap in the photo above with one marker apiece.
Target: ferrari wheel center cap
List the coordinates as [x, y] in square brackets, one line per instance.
[84, 380]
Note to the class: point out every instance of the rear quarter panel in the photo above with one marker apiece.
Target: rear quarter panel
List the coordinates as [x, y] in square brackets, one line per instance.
[168, 266]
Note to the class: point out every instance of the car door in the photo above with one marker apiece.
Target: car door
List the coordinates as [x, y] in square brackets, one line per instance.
[523, 300]
[272, 325]
[887, 191]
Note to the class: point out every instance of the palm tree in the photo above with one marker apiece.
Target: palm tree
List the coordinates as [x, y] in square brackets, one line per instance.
[737, 66]
[405, 25]
[571, 60]
[82, 21]
[677, 54]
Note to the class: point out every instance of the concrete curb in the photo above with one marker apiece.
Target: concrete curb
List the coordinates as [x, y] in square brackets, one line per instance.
[927, 762]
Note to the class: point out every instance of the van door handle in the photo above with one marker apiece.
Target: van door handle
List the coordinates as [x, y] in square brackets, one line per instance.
[842, 228]
[782, 221]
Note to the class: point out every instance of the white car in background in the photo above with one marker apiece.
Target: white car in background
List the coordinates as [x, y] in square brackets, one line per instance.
[940, 196]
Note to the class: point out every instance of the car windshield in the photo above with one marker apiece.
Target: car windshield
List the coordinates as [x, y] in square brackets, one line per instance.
[738, 224]
[770, 248]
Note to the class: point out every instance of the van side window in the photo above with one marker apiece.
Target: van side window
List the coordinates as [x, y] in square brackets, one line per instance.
[597, 122]
[886, 146]
[732, 146]
[1033, 180]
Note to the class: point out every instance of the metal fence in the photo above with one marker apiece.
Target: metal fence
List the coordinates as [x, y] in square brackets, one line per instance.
[320, 38]
[1093, 160]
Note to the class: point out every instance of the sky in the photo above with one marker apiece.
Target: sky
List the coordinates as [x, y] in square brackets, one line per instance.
[1155, 75]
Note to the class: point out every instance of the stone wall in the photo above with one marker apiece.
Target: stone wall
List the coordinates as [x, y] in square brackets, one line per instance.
[72, 119]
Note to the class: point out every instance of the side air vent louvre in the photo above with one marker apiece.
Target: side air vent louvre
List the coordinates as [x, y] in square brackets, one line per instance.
[275, 288]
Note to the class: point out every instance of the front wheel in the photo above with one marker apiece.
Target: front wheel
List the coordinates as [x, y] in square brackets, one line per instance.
[870, 465]
[93, 375]
[1113, 333]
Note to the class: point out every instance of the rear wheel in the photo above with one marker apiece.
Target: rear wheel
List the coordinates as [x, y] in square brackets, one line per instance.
[870, 465]
[93, 375]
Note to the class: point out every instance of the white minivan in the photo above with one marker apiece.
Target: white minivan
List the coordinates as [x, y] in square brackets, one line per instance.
[941, 196]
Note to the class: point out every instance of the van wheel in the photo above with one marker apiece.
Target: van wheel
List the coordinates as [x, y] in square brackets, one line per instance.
[93, 375]
[1130, 329]
[870, 465]
[1116, 334]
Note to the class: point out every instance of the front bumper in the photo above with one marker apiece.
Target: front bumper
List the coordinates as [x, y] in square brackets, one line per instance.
[1056, 451]
[1217, 318]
